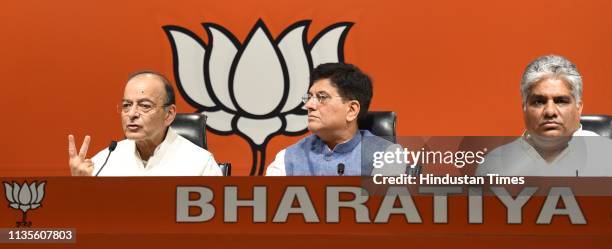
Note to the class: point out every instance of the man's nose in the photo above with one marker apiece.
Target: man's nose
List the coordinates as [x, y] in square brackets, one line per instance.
[133, 112]
[550, 110]
[311, 104]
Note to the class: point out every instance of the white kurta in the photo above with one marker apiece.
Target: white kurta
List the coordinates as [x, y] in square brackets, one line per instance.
[587, 154]
[175, 156]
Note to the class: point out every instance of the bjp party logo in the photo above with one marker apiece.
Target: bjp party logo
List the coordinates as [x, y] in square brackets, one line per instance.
[252, 88]
[24, 197]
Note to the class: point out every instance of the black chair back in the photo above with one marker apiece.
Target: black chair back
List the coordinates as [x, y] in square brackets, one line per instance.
[226, 168]
[381, 124]
[191, 126]
[600, 124]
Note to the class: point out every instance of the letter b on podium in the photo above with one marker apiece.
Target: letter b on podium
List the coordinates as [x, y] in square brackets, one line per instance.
[183, 203]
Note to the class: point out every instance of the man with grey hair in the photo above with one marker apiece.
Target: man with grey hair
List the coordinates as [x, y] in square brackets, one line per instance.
[554, 143]
[151, 147]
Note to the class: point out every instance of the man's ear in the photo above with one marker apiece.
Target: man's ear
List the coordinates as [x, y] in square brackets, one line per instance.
[353, 110]
[170, 115]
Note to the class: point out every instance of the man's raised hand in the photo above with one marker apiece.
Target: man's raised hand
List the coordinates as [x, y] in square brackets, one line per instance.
[79, 164]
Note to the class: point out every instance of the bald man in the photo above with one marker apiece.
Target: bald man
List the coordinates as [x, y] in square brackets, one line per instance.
[151, 147]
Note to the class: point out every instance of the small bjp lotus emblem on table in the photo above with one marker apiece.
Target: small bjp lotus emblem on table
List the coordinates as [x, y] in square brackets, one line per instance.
[25, 197]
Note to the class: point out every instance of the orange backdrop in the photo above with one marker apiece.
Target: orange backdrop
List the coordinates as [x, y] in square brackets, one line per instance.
[446, 67]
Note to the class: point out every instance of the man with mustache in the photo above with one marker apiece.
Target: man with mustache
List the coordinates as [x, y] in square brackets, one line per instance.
[554, 143]
[151, 147]
[339, 95]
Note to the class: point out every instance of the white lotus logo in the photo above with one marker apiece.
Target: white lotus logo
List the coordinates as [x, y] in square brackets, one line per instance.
[253, 89]
[25, 197]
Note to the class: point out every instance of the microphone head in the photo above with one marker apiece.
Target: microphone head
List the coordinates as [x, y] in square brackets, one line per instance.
[112, 146]
[340, 168]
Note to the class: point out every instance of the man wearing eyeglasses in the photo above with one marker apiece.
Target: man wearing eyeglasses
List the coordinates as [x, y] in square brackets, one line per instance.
[151, 147]
[339, 95]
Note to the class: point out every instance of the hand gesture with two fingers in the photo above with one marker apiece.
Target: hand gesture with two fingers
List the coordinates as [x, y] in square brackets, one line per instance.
[79, 164]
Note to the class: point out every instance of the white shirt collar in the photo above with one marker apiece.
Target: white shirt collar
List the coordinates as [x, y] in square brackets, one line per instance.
[578, 132]
[527, 147]
[159, 150]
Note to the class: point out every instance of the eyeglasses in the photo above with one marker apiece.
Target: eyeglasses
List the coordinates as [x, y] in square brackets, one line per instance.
[318, 98]
[141, 107]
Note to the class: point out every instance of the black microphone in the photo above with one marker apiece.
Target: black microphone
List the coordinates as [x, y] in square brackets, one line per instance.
[341, 169]
[111, 148]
